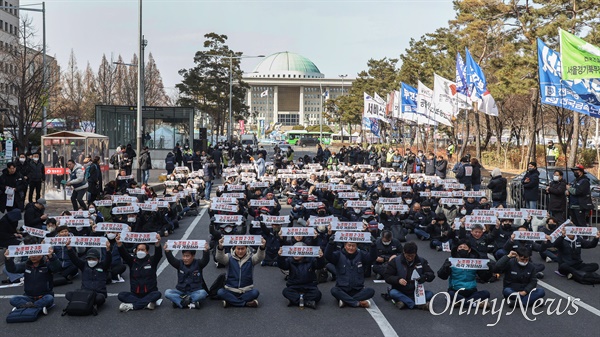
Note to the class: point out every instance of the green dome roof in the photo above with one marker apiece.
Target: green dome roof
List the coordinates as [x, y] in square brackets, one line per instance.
[286, 63]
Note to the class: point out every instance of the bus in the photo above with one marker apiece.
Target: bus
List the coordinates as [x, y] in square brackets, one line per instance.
[291, 137]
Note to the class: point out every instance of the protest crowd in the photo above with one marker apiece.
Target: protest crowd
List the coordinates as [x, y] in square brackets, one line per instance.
[355, 214]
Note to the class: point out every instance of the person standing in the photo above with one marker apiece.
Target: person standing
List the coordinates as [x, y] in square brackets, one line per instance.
[79, 184]
[23, 167]
[580, 199]
[12, 189]
[178, 154]
[208, 177]
[450, 150]
[531, 184]
[441, 167]
[142, 276]
[170, 163]
[217, 156]
[260, 165]
[551, 154]
[557, 204]
[498, 187]
[145, 163]
[476, 176]
[93, 177]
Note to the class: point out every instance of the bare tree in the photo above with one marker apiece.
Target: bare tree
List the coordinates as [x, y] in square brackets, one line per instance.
[106, 80]
[24, 92]
[154, 91]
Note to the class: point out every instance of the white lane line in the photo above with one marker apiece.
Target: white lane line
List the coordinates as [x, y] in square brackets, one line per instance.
[164, 264]
[384, 324]
[561, 293]
[185, 236]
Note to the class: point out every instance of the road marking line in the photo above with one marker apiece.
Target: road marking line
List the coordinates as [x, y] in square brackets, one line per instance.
[382, 322]
[185, 236]
[561, 293]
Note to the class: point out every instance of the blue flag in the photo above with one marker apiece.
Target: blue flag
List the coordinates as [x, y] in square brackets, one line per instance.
[461, 82]
[408, 102]
[375, 126]
[577, 95]
[476, 83]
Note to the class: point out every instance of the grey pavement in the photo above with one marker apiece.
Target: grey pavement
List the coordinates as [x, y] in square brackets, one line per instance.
[274, 318]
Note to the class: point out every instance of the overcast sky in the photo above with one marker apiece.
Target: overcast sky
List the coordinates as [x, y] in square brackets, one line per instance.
[338, 36]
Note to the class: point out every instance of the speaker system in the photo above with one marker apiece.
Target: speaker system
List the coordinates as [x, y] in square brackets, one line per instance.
[203, 134]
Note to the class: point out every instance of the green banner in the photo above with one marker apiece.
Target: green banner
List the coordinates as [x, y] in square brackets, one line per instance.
[580, 59]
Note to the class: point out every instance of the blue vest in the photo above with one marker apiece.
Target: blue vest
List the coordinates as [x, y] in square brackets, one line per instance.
[189, 278]
[350, 272]
[239, 276]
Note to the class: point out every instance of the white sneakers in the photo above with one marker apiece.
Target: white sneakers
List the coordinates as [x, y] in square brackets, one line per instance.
[124, 307]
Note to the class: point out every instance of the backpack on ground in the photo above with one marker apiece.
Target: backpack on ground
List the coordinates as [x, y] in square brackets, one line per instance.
[21, 315]
[81, 303]
[586, 277]
[217, 284]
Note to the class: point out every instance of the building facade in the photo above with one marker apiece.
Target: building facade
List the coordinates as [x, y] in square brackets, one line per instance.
[9, 32]
[288, 89]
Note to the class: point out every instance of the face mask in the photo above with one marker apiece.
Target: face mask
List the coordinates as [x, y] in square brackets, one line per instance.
[426, 210]
[92, 263]
[556, 178]
[35, 159]
[51, 229]
[22, 160]
[140, 254]
[92, 210]
[522, 264]
[463, 253]
[463, 211]
[111, 236]
[386, 243]
[79, 228]
[408, 201]
[507, 226]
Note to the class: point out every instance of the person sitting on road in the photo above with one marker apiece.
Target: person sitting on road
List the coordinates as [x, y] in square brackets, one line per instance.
[350, 264]
[301, 286]
[93, 272]
[400, 275]
[66, 268]
[569, 254]
[462, 283]
[38, 285]
[532, 246]
[387, 248]
[519, 278]
[189, 291]
[239, 286]
[142, 276]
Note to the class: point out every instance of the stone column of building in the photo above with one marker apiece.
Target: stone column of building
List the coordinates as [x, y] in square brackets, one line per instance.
[301, 119]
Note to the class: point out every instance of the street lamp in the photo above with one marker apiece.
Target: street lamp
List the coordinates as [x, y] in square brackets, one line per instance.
[341, 128]
[231, 58]
[44, 72]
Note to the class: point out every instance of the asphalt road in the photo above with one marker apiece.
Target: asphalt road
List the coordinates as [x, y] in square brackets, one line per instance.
[274, 318]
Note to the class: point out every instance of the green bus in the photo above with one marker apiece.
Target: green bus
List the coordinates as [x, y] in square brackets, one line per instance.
[291, 137]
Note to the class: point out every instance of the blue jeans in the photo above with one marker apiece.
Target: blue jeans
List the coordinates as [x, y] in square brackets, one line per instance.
[532, 296]
[174, 295]
[235, 299]
[531, 204]
[12, 276]
[139, 302]
[422, 234]
[398, 296]
[352, 297]
[549, 253]
[500, 253]
[44, 301]
[468, 294]
[145, 176]
[207, 190]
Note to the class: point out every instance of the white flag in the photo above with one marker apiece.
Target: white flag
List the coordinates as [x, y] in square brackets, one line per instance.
[446, 98]
[264, 93]
[426, 107]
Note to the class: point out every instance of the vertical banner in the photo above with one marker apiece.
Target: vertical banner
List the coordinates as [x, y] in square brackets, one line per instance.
[242, 126]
